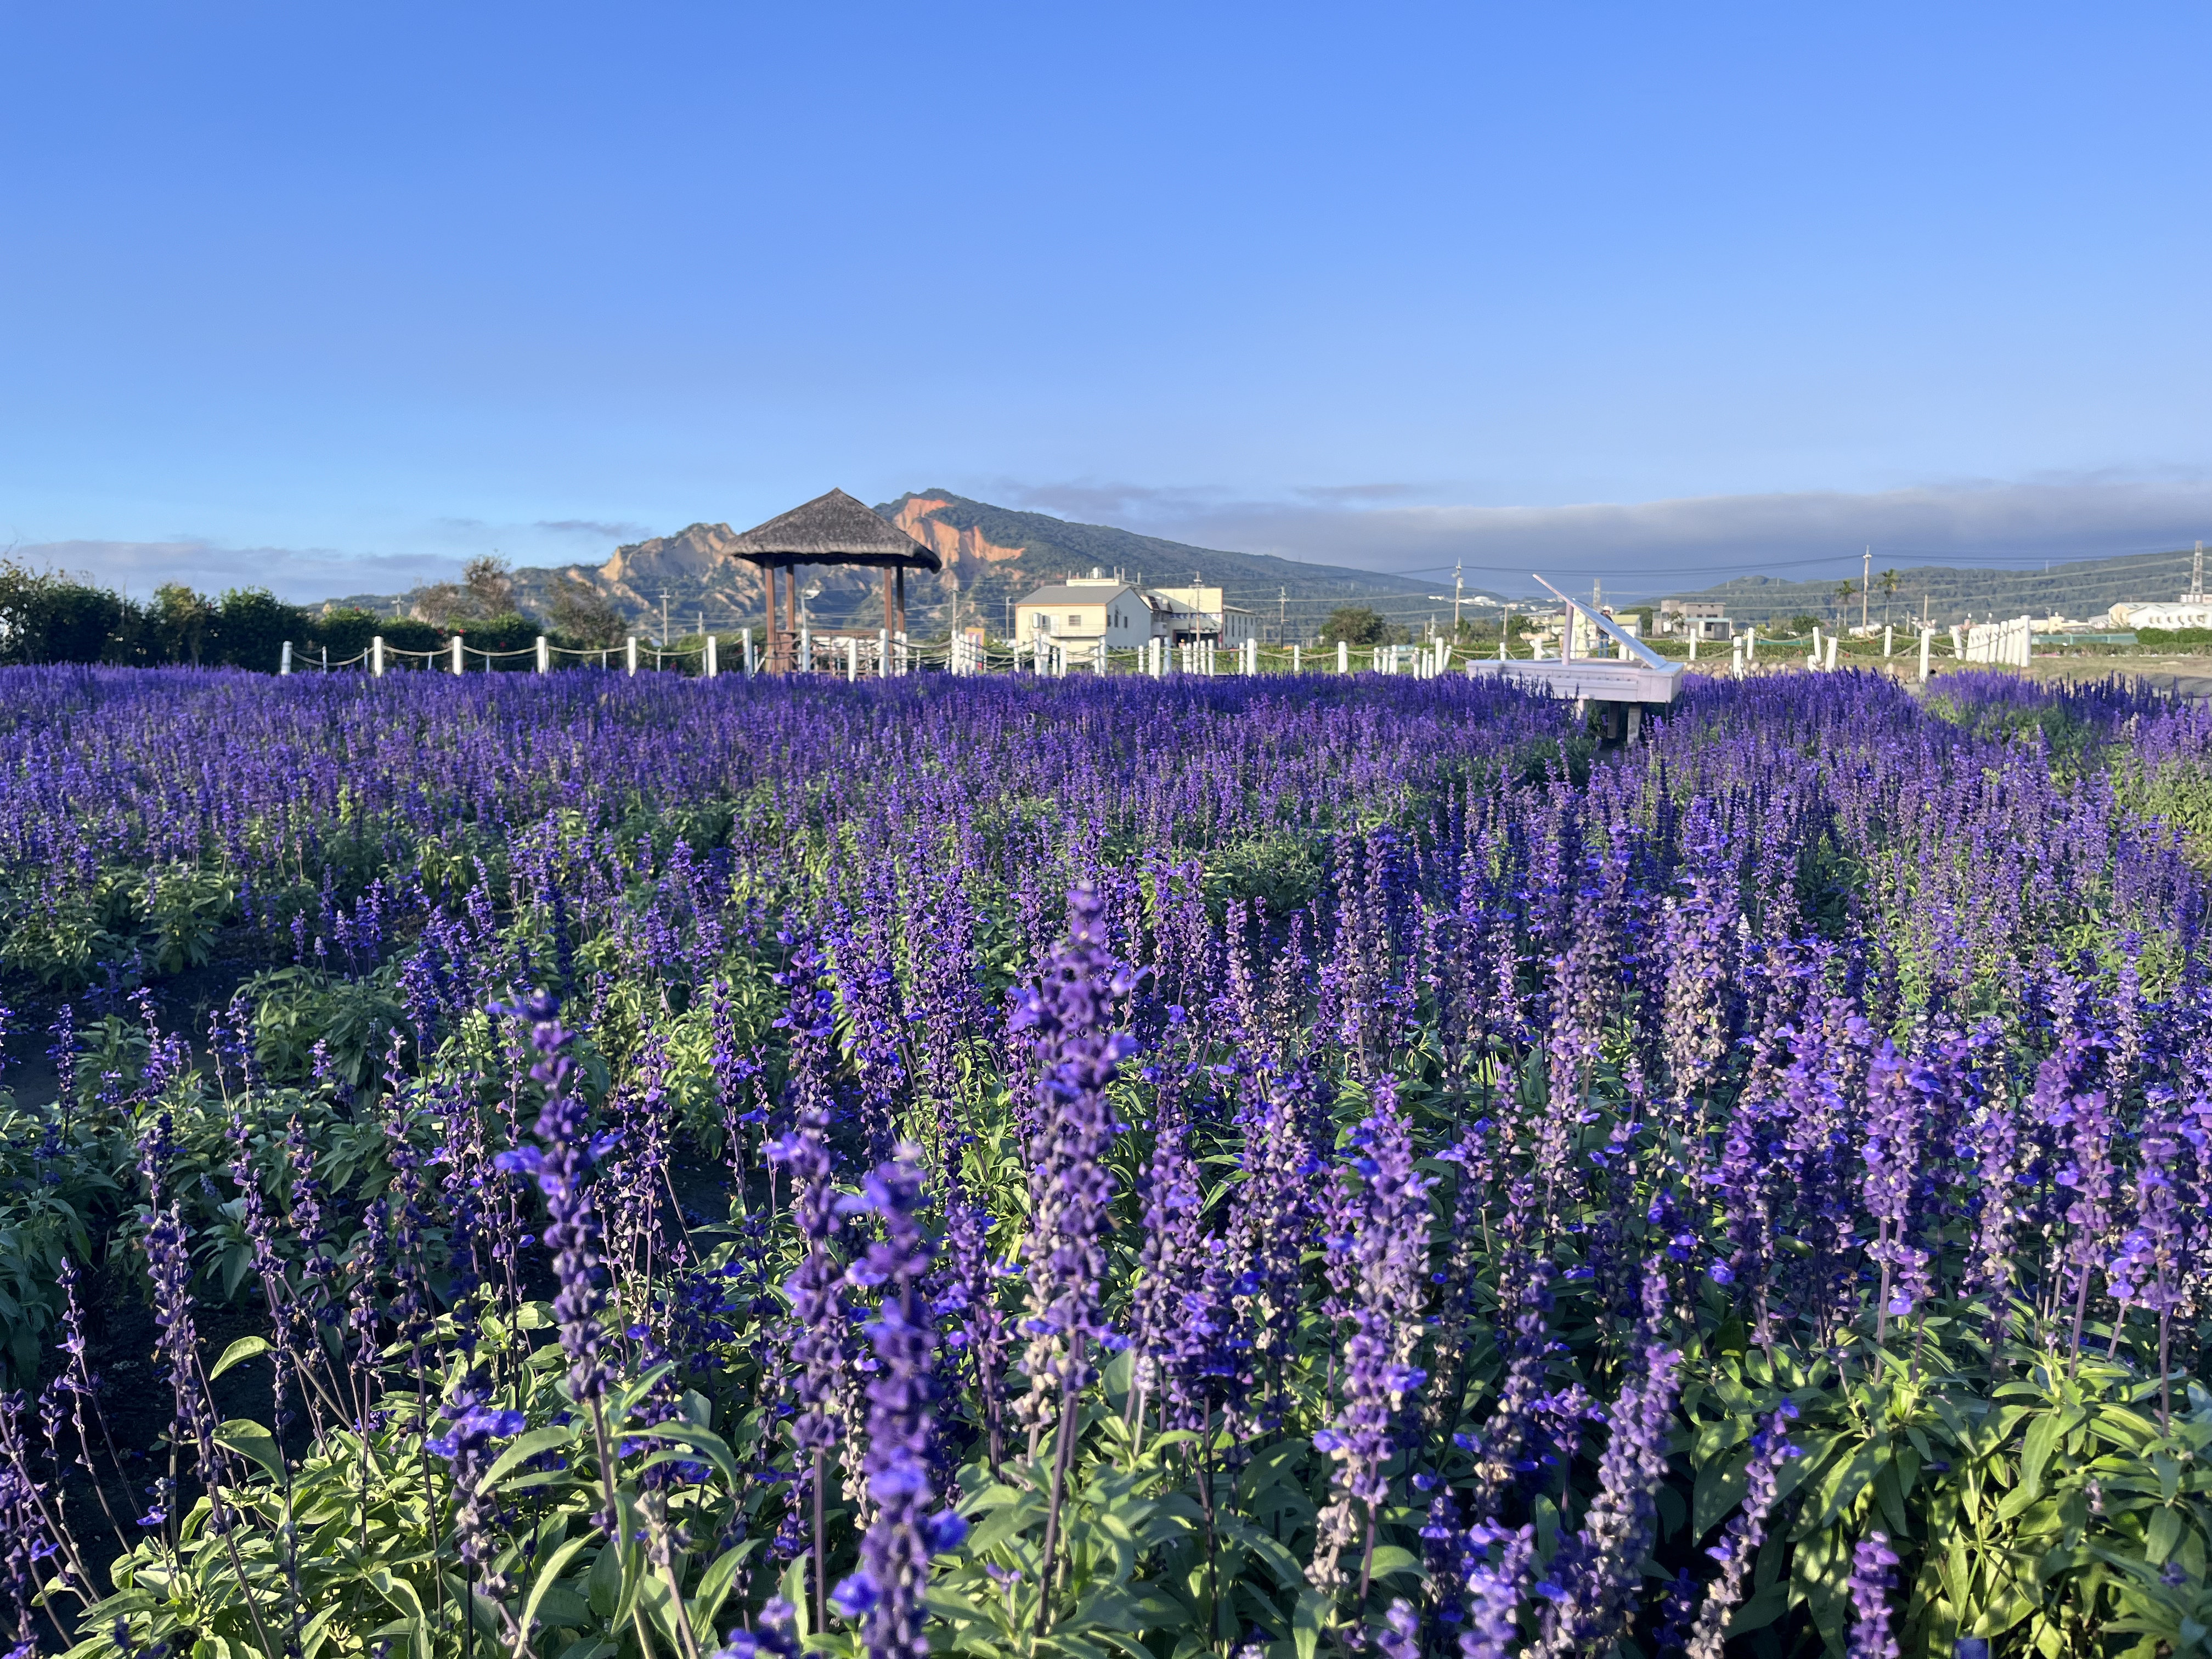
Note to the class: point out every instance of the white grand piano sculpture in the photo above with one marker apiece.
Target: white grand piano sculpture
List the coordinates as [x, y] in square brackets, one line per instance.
[1616, 689]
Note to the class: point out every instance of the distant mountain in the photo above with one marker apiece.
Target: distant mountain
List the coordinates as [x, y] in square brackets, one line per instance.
[2082, 590]
[993, 556]
[1001, 554]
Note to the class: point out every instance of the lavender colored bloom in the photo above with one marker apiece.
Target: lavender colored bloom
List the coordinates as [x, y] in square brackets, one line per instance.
[1593, 1579]
[1892, 1154]
[1387, 1258]
[472, 1425]
[1745, 1533]
[895, 1554]
[1495, 1587]
[561, 1165]
[1064, 1017]
[1872, 1579]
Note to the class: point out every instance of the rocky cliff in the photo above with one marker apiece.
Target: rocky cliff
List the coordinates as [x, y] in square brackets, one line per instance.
[993, 556]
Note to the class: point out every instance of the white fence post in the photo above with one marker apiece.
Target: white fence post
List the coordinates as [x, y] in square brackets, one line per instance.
[1298, 659]
[629, 654]
[1750, 644]
[714, 658]
[544, 656]
[1888, 640]
[852, 658]
[1834, 641]
[883, 653]
[376, 656]
[1814, 661]
[284, 662]
[457, 654]
[747, 636]
[1343, 657]
[1693, 645]
[1926, 640]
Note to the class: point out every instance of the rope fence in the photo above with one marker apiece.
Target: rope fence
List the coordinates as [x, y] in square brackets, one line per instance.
[887, 655]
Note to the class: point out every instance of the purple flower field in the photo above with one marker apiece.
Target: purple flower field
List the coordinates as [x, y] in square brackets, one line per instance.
[598, 1168]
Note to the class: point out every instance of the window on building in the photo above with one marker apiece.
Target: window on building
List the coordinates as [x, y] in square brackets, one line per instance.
[1075, 622]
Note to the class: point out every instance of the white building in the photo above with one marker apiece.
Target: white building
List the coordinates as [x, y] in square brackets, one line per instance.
[1202, 613]
[1693, 619]
[2166, 614]
[1081, 610]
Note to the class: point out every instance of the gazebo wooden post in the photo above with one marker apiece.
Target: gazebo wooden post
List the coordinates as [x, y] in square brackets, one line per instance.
[900, 575]
[791, 613]
[888, 623]
[774, 648]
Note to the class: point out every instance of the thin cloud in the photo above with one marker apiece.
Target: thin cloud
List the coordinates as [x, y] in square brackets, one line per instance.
[598, 529]
[1665, 546]
[1338, 494]
[1096, 503]
[301, 574]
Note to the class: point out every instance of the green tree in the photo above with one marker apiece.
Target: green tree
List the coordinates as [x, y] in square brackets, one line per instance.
[1802, 625]
[583, 616]
[250, 626]
[485, 591]
[1355, 624]
[346, 633]
[503, 634]
[177, 624]
[46, 616]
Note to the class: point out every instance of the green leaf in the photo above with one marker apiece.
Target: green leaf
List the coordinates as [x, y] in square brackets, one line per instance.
[246, 1348]
[602, 1586]
[1719, 1489]
[1307, 1622]
[2035, 1453]
[2164, 1533]
[531, 1444]
[1761, 1610]
[1845, 1485]
[704, 1441]
[249, 1439]
[794, 1591]
[1392, 1559]
[713, 1587]
[1890, 1496]
[548, 1576]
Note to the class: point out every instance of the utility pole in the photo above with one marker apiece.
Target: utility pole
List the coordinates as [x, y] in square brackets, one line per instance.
[2196, 593]
[1283, 609]
[1459, 587]
[664, 616]
[1866, 584]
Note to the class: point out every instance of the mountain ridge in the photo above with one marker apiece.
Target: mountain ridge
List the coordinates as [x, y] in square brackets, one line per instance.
[993, 555]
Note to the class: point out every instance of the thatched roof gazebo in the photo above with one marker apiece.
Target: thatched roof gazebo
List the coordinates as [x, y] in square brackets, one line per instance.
[831, 529]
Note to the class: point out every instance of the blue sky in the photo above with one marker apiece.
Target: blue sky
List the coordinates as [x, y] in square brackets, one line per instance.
[334, 296]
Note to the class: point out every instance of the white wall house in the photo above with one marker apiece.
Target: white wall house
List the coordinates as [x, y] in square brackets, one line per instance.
[2167, 614]
[1083, 610]
[1079, 611]
[1203, 613]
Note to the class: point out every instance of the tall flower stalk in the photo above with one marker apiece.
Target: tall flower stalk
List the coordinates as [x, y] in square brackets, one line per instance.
[1065, 1016]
